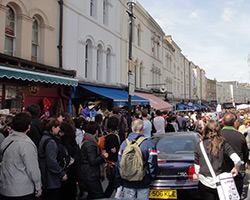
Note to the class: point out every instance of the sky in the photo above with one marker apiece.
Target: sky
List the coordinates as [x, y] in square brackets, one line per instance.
[213, 34]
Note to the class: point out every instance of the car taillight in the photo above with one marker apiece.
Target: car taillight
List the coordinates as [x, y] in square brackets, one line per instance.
[191, 172]
[161, 161]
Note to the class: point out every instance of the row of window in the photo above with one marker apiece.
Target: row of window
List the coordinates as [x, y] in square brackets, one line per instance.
[93, 10]
[10, 35]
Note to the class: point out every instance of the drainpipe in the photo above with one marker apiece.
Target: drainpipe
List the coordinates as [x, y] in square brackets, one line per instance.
[60, 33]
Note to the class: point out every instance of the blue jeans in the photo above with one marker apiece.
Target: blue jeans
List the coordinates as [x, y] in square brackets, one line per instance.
[131, 193]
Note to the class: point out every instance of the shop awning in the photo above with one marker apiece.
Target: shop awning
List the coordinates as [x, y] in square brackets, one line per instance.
[119, 96]
[155, 102]
[23, 74]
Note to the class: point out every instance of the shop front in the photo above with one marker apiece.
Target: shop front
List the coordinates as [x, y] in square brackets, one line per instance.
[46, 86]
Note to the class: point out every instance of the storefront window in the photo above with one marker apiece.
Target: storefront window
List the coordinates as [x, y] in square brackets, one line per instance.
[13, 98]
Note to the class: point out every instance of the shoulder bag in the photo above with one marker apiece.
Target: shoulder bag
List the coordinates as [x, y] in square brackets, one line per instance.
[225, 184]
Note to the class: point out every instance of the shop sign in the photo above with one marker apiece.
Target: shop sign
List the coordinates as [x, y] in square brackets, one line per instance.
[34, 89]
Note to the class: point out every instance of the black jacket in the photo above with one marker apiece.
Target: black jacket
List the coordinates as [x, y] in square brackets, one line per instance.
[35, 132]
[91, 159]
[238, 142]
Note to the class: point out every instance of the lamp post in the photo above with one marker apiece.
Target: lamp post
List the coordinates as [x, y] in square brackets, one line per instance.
[131, 4]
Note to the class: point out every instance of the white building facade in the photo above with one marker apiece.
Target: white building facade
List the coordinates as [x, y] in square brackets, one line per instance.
[92, 40]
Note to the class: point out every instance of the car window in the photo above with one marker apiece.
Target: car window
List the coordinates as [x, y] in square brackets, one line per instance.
[173, 144]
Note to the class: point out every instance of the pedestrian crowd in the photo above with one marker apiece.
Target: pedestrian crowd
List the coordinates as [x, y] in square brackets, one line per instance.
[67, 158]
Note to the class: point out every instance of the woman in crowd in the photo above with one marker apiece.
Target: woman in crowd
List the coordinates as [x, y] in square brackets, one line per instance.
[217, 150]
[69, 187]
[112, 145]
[91, 158]
[52, 172]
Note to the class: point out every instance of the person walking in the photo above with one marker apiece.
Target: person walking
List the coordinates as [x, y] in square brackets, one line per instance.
[20, 176]
[217, 150]
[139, 189]
[238, 142]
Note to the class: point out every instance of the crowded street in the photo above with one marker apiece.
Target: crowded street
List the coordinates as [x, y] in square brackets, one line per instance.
[124, 99]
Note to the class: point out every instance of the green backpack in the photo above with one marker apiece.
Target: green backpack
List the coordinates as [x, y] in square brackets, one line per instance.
[132, 166]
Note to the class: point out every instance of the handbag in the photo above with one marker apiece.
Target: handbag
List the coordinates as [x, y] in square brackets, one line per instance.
[225, 184]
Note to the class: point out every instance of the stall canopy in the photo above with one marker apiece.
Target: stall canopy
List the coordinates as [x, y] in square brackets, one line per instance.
[155, 102]
[16, 73]
[119, 96]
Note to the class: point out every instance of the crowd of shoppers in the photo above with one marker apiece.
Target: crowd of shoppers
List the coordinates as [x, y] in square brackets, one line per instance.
[62, 157]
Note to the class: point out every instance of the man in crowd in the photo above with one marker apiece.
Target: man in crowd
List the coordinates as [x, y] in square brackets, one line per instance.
[35, 132]
[159, 122]
[147, 124]
[20, 175]
[139, 189]
[238, 142]
[122, 126]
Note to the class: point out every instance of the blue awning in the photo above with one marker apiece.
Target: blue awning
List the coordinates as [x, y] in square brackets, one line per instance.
[23, 74]
[119, 96]
[182, 106]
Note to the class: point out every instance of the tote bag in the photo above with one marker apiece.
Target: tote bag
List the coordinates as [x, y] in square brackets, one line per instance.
[225, 184]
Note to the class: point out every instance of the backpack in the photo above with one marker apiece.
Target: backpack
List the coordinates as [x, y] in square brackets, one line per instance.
[132, 165]
[63, 157]
[101, 140]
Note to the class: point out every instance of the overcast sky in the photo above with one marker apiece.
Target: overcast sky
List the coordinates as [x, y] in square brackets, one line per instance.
[214, 34]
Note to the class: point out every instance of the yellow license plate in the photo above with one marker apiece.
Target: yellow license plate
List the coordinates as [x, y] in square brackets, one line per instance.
[162, 194]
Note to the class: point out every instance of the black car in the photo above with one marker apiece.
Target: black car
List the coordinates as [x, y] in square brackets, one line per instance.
[175, 178]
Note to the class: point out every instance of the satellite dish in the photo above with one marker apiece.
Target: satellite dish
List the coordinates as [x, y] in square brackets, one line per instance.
[163, 89]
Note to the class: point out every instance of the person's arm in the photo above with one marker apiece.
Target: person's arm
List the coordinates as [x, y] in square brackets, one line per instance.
[91, 151]
[152, 159]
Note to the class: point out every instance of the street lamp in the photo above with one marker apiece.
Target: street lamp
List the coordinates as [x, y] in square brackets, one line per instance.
[131, 4]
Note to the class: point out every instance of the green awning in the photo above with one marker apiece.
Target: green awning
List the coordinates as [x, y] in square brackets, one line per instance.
[23, 74]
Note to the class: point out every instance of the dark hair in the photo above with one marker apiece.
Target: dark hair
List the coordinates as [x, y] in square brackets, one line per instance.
[229, 119]
[116, 110]
[113, 123]
[34, 109]
[68, 118]
[67, 129]
[79, 122]
[144, 113]
[212, 131]
[92, 127]
[47, 124]
[21, 122]
[98, 118]
[158, 113]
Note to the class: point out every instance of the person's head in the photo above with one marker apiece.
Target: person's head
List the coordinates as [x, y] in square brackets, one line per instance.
[116, 110]
[79, 122]
[158, 113]
[113, 123]
[34, 109]
[229, 119]
[21, 122]
[138, 126]
[191, 121]
[144, 113]
[246, 122]
[92, 127]
[51, 125]
[212, 131]
[67, 129]
[98, 118]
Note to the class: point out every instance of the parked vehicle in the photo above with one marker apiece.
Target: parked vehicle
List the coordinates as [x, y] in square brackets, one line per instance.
[176, 178]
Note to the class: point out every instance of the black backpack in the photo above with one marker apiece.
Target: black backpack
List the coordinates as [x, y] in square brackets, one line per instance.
[63, 157]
